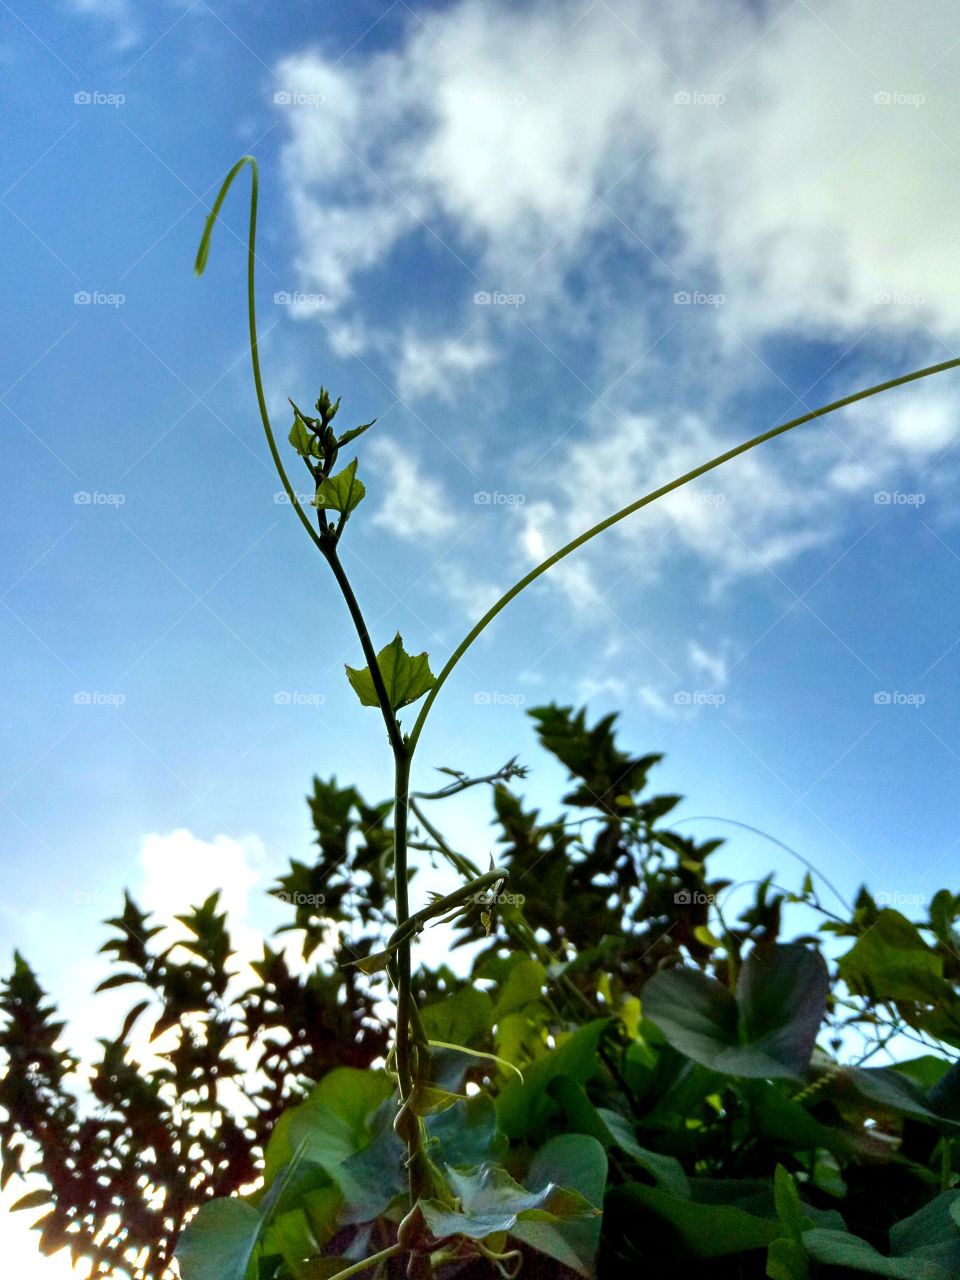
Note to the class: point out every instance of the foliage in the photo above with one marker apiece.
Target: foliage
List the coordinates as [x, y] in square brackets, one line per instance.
[515, 1104]
[682, 1092]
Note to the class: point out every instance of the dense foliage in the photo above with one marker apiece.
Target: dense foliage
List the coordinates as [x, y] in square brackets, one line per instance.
[620, 1043]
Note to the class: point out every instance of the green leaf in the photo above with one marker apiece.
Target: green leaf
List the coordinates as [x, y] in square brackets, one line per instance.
[467, 1134]
[787, 1260]
[406, 678]
[356, 431]
[707, 1230]
[767, 1030]
[894, 1092]
[891, 961]
[492, 1202]
[525, 1107]
[666, 1171]
[303, 439]
[925, 1246]
[462, 1016]
[332, 1124]
[581, 1163]
[219, 1242]
[341, 492]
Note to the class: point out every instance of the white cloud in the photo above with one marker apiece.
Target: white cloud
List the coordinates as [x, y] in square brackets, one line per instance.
[474, 595]
[545, 147]
[119, 12]
[510, 127]
[436, 366]
[413, 505]
[225, 865]
[712, 665]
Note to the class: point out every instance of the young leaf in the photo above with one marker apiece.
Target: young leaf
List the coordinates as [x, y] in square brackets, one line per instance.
[303, 439]
[352, 435]
[341, 492]
[406, 677]
[492, 1202]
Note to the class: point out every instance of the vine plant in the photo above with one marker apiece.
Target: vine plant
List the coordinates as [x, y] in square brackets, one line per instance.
[392, 680]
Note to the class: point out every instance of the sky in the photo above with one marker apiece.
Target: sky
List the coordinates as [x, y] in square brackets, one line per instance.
[562, 252]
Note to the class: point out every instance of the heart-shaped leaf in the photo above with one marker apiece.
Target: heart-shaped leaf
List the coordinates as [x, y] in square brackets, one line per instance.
[768, 1029]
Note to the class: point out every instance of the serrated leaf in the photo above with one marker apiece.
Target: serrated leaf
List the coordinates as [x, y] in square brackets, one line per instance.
[405, 677]
[341, 492]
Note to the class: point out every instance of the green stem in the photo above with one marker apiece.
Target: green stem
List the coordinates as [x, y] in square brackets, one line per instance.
[367, 1263]
[402, 899]
[329, 550]
[199, 265]
[570, 547]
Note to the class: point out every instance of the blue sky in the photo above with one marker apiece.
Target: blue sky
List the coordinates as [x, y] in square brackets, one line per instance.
[690, 224]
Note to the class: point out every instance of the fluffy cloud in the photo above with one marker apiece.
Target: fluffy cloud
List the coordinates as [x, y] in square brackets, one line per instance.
[779, 167]
[797, 156]
[414, 505]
